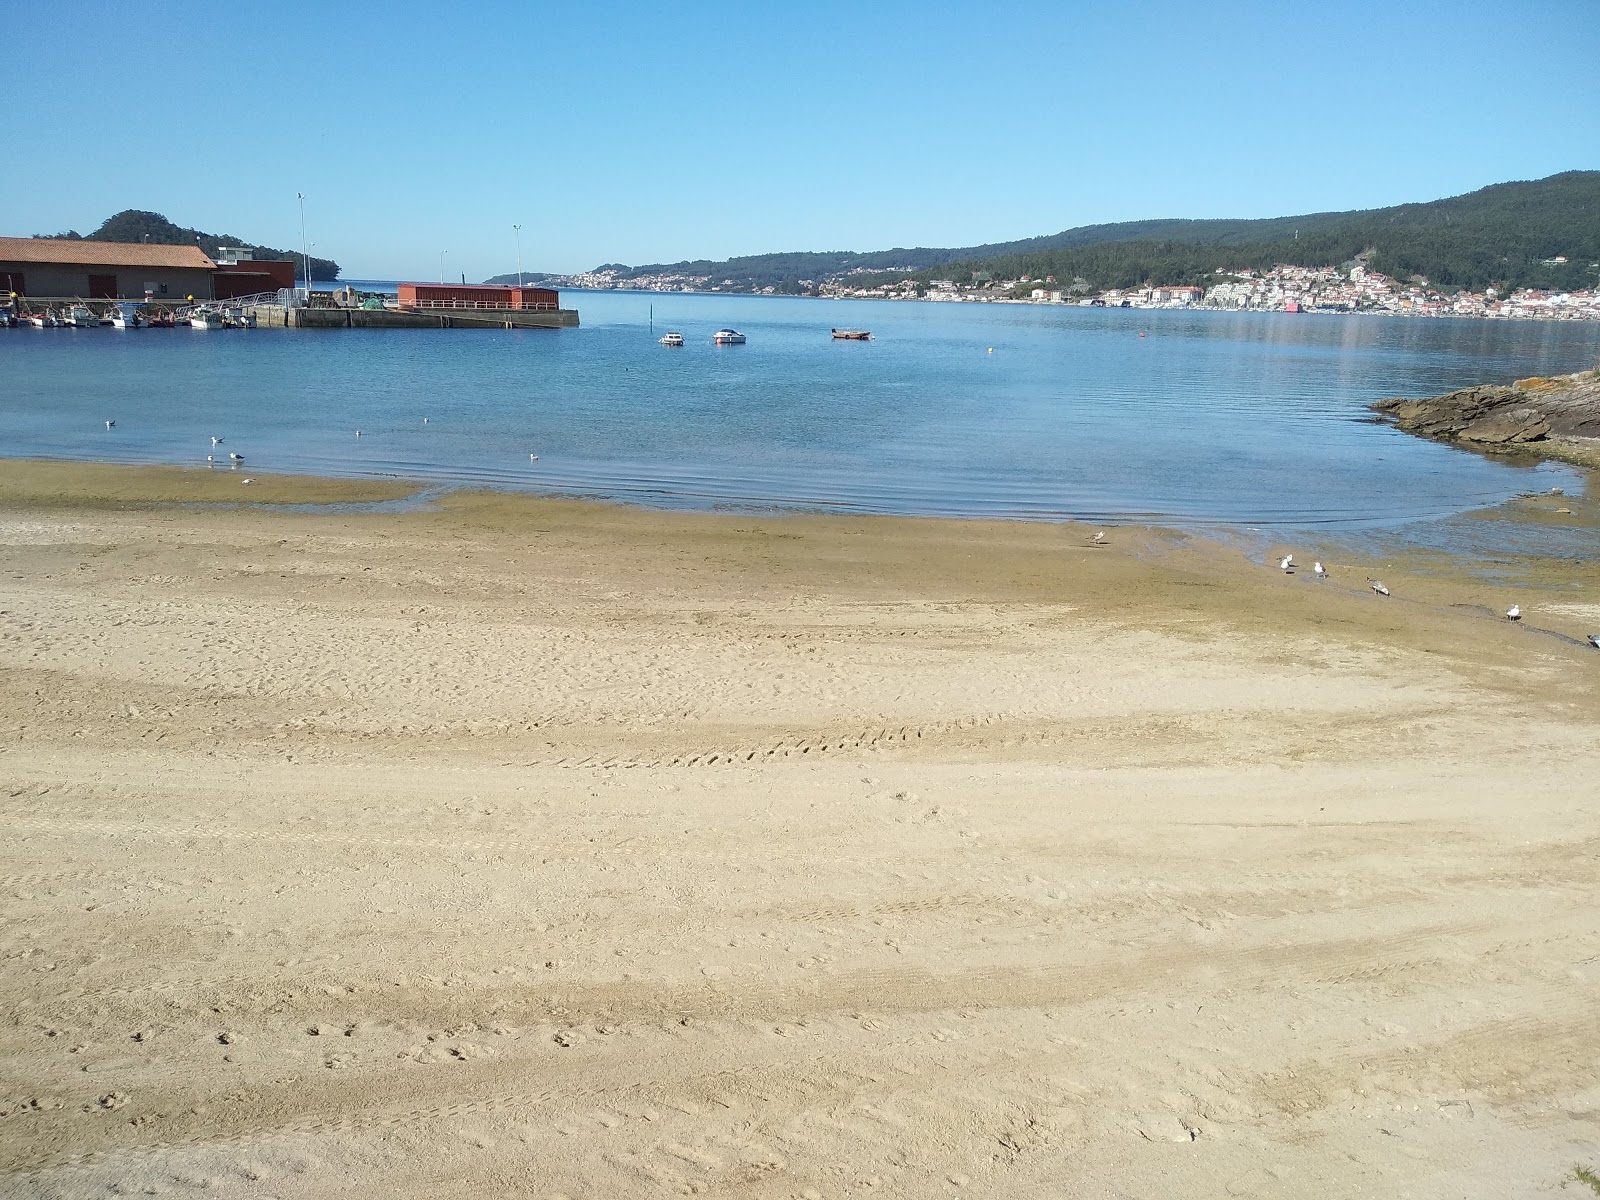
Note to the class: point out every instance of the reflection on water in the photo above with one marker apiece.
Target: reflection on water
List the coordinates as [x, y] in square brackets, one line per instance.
[955, 409]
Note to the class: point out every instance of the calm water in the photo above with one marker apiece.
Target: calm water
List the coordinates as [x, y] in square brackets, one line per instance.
[1209, 417]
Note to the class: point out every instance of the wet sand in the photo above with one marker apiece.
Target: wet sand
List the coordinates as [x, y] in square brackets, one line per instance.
[519, 846]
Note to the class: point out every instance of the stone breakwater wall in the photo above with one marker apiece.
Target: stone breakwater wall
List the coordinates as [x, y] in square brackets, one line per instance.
[1558, 417]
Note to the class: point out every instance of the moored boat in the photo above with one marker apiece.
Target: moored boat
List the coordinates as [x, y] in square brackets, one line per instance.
[80, 316]
[728, 337]
[672, 339]
[206, 320]
[126, 316]
[851, 335]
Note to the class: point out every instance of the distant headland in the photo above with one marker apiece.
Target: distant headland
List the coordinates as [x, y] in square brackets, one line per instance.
[1527, 249]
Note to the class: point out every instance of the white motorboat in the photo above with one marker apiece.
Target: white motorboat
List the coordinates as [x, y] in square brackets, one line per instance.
[126, 316]
[82, 317]
[728, 337]
[206, 320]
[672, 339]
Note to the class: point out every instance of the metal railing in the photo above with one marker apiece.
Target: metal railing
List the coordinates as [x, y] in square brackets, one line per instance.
[479, 304]
[246, 301]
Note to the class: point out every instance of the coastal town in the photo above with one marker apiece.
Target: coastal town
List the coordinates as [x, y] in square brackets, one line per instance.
[1351, 289]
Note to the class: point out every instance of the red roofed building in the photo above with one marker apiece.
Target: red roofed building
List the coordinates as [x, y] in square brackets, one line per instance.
[80, 267]
[479, 296]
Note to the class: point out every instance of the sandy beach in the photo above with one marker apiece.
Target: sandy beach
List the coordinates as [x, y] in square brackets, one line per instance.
[506, 846]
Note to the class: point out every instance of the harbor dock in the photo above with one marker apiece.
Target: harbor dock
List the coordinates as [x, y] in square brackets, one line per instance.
[281, 316]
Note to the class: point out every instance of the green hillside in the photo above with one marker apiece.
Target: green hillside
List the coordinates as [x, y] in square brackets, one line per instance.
[137, 225]
[1500, 235]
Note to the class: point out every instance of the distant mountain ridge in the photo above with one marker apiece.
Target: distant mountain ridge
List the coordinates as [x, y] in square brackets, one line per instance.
[1506, 235]
[139, 225]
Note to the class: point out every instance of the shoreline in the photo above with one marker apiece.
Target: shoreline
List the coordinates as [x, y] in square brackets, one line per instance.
[45, 479]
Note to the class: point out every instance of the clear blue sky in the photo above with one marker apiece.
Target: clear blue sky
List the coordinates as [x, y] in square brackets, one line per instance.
[654, 132]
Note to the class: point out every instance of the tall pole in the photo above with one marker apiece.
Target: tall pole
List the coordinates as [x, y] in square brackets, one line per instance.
[518, 229]
[442, 253]
[305, 252]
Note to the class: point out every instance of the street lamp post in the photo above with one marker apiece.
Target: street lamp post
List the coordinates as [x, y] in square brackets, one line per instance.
[305, 251]
[518, 229]
[442, 253]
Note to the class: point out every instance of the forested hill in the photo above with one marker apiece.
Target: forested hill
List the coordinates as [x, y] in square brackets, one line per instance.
[1501, 235]
[137, 225]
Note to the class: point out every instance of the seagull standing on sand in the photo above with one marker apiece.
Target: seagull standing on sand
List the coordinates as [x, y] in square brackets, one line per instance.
[1319, 570]
[1514, 613]
[1594, 640]
[1099, 538]
[1287, 565]
[1377, 586]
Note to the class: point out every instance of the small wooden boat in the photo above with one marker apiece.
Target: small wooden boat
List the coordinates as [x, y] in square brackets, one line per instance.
[672, 339]
[851, 335]
[728, 337]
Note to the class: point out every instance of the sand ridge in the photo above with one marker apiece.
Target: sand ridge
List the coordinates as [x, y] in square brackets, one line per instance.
[533, 847]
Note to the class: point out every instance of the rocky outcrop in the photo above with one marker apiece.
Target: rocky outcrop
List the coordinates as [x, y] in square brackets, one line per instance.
[1493, 416]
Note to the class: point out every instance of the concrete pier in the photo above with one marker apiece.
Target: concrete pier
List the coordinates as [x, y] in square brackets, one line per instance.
[276, 316]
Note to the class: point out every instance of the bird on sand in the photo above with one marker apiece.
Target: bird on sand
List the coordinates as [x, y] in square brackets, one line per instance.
[1377, 586]
[247, 481]
[109, 424]
[1594, 640]
[1099, 538]
[1320, 571]
[1287, 565]
[1514, 613]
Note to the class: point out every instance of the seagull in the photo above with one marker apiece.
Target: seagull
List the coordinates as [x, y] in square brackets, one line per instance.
[424, 420]
[1099, 538]
[216, 441]
[109, 424]
[235, 455]
[1514, 613]
[1320, 571]
[1287, 565]
[533, 458]
[1377, 586]
[247, 481]
[1594, 640]
[358, 433]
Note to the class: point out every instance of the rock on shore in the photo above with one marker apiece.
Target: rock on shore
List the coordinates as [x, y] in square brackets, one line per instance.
[1550, 411]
